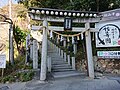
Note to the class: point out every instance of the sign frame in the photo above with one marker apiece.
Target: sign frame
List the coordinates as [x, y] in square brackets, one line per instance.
[108, 34]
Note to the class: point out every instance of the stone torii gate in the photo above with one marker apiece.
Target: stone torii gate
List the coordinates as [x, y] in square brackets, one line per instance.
[54, 15]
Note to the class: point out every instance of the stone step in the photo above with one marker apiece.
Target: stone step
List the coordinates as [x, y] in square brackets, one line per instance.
[66, 74]
[64, 67]
[62, 70]
[57, 59]
[58, 62]
[60, 65]
[52, 51]
[53, 54]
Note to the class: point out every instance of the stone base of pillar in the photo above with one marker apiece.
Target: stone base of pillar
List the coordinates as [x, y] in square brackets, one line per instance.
[65, 56]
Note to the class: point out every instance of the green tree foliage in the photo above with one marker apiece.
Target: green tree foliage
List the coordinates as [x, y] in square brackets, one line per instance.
[19, 37]
[88, 5]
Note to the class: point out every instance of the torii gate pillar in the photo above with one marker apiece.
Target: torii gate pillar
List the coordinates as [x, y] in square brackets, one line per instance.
[44, 53]
[89, 51]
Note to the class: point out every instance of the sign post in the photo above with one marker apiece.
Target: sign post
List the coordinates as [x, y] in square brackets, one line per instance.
[3, 63]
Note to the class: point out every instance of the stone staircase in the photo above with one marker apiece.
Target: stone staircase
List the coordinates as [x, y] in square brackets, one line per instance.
[60, 68]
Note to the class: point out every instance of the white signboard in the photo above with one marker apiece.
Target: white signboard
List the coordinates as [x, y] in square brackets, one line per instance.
[108, 34]
[110, 15]
[108, 54]
[3, 61]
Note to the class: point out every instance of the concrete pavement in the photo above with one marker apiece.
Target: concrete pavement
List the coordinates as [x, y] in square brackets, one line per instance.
[75, 83]
[69, 83]
[13, 86]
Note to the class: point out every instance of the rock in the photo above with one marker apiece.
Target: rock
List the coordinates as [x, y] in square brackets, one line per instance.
[7, 82]
[4, 88]
[97, 74]
[116, 71]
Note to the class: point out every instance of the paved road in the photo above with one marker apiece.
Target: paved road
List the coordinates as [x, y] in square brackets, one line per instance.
[75, 83]
[13, 86]
[71, 83]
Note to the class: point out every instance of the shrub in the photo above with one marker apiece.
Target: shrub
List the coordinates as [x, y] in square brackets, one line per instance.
[26, 76]
[23, 77]
[8, 78]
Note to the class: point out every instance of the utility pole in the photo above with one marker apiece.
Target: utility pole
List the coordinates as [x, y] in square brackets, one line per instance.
[11, 50]
[10, 8]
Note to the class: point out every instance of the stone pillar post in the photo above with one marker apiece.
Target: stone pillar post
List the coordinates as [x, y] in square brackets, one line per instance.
[64, 56]
[35, 54]
[64, 43]
[55, 48]
[74, 46]
[68, 59]
[31, 50]
[49, 63]
[27, 48]
[89, 51]
[62, 53]
[59, 51]
[44, 53]
[40, 49]
[73, 63]
[57, 41]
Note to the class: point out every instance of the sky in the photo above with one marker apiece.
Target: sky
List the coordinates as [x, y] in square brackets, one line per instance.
[5, 2]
